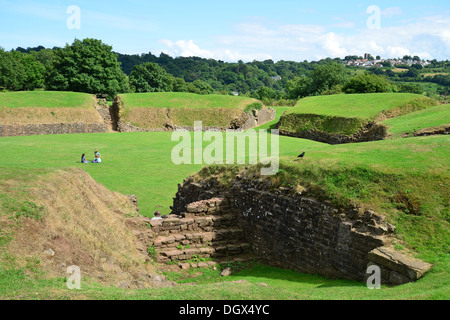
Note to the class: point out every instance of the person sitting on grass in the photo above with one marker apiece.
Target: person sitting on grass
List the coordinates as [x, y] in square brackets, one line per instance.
[83, 159]
[98, 156]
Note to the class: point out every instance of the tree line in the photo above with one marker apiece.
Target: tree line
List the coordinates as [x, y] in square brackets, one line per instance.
[91, 66]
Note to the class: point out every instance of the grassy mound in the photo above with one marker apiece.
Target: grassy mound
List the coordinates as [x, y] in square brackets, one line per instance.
[66, 211]
[45, 99]
[349, 114]
[47, 107]
[155, 110]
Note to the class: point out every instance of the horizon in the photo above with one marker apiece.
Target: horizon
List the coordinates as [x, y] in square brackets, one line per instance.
[249, 31]
[360, 56]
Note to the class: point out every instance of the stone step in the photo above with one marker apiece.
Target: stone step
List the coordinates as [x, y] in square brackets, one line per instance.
[205, 252]
[199, 238]
[178, 225]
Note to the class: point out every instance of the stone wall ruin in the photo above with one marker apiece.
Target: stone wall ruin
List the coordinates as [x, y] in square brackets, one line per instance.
[283, 230]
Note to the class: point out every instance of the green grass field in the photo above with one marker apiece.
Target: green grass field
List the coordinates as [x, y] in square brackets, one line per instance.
[370, 174]
[139, 163]
[45, 99]
[134, 163]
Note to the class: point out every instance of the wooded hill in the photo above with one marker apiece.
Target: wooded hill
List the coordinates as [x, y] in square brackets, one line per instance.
[31, 68]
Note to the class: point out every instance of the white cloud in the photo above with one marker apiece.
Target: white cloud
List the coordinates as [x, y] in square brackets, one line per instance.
[428, 37]
[332, 46]
[186, 48]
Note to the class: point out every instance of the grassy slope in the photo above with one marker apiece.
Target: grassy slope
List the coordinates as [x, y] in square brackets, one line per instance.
[154, 110]
[348, 114]
[45, 99]
[67, 211]
[182, 100]
[429, 118]
[366, 106]
[37, 107]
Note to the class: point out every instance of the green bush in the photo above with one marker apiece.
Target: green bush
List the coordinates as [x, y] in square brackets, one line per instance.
[368, 83]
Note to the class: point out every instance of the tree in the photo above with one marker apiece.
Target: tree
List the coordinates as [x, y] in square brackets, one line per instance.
[368, 83]
[11, 72]
[150, 77]
[178, 84]
[328, 76]
[200, 87]
[298, 88]
[20, 71]
[410, 88]
[87, 66]
[265, 93]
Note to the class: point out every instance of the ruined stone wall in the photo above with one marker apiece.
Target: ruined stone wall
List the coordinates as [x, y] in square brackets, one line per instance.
[11, 130]
[302, 234]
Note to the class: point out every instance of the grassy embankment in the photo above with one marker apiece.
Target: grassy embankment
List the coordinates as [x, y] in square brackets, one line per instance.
[348, 114]
[47, 107]
[154, 110]
[428, 119]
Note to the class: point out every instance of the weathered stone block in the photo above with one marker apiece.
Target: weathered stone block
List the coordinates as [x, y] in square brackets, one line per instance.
[405, 265]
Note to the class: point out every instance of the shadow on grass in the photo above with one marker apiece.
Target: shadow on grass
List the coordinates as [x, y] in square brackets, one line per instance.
[261, 272]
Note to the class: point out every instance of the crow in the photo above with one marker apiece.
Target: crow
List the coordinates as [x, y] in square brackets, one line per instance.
[301, 156]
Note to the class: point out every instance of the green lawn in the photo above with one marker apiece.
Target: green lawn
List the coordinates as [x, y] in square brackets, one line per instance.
[366, 106]
[45, 99]
[256, 283]
[134, 163]
[412, 122]
[140, 163]
[182, 100]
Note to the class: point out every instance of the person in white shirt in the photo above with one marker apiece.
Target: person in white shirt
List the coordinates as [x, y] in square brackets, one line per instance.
[157, 215]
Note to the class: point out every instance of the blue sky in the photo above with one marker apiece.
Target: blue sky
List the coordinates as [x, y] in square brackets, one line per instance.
[236, 30]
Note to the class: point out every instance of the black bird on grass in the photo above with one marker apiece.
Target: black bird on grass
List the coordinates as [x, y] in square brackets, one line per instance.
[301, 156]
